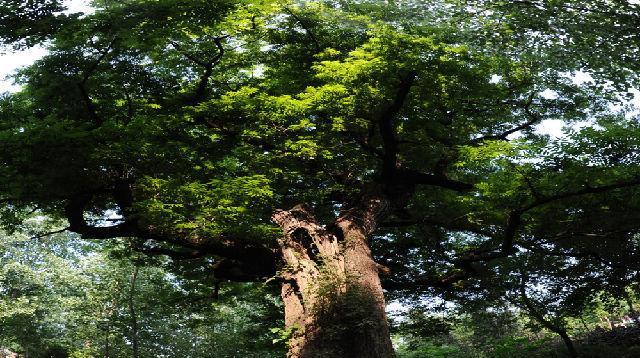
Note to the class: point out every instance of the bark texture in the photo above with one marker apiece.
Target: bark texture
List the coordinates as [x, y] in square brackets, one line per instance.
[334, 303]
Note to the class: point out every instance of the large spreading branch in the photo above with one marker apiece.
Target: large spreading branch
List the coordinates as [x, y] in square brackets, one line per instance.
[393, 174]
[306, 28]
[82, 85]
[207, 64]
[532, 120]
[540, 317]
[387, 127]
[412, 177]
[465, 263]
[237, 259]
[454, 224]
[514, 219]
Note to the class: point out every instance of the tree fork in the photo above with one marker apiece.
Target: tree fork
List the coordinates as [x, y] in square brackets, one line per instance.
[329, 285]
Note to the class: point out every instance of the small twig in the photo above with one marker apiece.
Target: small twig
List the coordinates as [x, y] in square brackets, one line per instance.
[40, 236]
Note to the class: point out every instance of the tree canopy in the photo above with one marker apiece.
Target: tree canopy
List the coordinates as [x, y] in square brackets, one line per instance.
[339, 148]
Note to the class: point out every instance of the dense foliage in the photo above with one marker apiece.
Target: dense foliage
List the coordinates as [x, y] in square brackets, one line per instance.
[337, 148]
[66, 297]
[63, 297]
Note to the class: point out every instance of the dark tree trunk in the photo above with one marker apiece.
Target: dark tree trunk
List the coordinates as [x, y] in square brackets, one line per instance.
[106, 341]
[568, 342]
[584, 324]
[109, 315]
[334, 303]
[547, 323]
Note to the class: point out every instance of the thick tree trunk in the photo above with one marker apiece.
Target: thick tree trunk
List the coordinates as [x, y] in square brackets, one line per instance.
[334, 304]
[371, 339]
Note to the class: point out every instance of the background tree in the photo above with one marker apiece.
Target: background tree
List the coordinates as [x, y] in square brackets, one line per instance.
[64, 297]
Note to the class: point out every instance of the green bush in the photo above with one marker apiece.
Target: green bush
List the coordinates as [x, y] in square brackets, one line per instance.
[429, 350]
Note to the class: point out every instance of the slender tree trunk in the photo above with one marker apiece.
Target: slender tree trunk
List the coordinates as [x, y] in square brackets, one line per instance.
[132, 312]
[109, 310]
[584, 324]
[547, 323]
[334, 303]
[106, 339]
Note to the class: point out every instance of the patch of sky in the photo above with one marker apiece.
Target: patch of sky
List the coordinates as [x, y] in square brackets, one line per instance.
[108, 218]
[78, 6]
[12, 60]
[629, 105]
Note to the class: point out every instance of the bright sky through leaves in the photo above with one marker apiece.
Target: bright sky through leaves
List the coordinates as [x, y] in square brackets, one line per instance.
[11, 60]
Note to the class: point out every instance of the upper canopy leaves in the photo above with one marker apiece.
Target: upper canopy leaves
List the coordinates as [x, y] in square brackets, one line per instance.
[194, 121]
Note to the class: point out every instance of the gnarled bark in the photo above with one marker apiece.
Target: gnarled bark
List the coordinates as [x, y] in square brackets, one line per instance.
[356, 225]
[334, 304]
